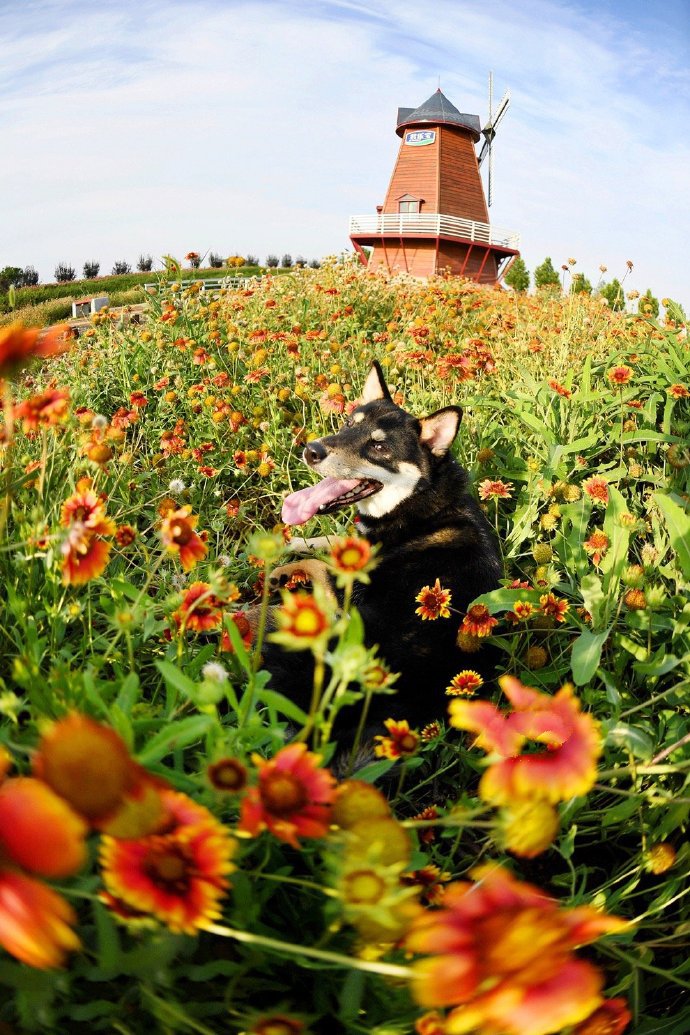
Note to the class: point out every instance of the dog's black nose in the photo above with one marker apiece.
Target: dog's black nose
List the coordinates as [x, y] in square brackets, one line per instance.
[314, 452]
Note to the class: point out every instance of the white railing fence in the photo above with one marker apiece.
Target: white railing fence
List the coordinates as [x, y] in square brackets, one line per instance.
[431, 224]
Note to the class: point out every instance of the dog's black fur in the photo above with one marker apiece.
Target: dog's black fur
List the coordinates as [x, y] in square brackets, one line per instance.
[427, 526]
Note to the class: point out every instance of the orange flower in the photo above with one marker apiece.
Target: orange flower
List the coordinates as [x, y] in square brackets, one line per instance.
[678, 391]
[554, 607]
[567, 767]
[35, 922]
[350, 555]
[433, 602]
[597, 545]
[178, 876]
[597, 488]
[38, 830]
[199, 610]
[178, 536]
[293, 797]
[620, 375]
[560, 389]
[465, 684]
[611, 1018]
[478, 621]
[489, 489]
[302, 621]
[277, 1024]
[505, 957]
[402, 742]
[85, 553]
[89, 765]
[45, 410]
[18, 344]
[228, 774]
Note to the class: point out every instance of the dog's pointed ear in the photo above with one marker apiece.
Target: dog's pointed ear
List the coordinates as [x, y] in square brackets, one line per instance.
[439, 429]
[375, 386]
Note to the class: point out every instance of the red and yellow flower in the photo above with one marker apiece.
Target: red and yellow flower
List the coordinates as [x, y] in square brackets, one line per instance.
[597, 488]
[434, 602]
[39, 831]
[178, 536]
[351, 557]
[678, 391]
[504, 957]
[478, 621]
[464, 684]
[401, 743]
[85, 550]
[497, 489]
[571, 739]
[302, 619]
[553, 606]
[620, 375]
[597, 545]
[200, 609]
[293, 797]
[178, 875]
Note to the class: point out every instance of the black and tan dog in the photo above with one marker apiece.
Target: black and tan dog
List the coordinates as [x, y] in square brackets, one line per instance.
[413, 502]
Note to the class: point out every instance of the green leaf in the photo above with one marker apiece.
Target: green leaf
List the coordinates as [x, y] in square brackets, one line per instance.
[176, 735]
[282, 704]
[593, 597]
[176, 679]
[639, 742]
[678, 526]
[586, 655]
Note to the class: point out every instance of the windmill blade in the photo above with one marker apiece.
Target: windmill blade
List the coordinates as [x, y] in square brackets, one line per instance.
[489, 183]
[500, 111]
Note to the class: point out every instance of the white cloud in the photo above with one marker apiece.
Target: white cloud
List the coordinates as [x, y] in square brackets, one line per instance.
[260, 126]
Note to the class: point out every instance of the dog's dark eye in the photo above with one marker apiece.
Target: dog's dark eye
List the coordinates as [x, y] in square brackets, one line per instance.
[380, 447]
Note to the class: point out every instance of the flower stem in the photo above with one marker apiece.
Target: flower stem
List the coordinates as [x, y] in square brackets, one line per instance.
[288, 948]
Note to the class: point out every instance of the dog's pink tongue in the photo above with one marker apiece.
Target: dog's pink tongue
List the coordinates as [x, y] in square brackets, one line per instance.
[298, 507]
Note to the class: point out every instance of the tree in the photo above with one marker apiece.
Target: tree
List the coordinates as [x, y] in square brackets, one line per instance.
[286, 261]
[517, 276]
[145, 263]
[11, 275]
[545, 276]
[121, 267]
[613, 293]
[30, 276]
[271, 261]
[648, 304]
[64, 273]
[91, 269]
[580, 285]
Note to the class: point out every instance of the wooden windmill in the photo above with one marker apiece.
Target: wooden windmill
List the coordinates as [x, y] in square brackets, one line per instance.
[435, 216]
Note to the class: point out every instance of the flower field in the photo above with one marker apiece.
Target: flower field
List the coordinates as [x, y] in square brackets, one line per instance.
[176, 852]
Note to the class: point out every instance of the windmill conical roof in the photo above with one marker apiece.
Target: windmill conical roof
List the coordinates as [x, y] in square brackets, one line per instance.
[438, 110]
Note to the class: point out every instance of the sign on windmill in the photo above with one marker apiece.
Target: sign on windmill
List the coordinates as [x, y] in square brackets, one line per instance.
[435, 217]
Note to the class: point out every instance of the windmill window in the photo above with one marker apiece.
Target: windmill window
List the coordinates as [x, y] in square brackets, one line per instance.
[408, 204]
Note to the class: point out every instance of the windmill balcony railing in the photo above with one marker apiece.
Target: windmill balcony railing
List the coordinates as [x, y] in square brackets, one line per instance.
[432, 224]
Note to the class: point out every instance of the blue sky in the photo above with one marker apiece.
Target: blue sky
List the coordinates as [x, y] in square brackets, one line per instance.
[260, 125]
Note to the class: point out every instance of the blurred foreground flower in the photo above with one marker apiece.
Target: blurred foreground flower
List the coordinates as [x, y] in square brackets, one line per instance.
[89, 766]
[505, 958]
[178, 875]
[39, 832]
[18, 344]
[35, 922]
[571, 741]
[293, 797]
